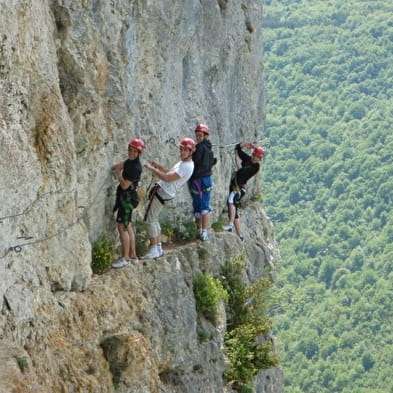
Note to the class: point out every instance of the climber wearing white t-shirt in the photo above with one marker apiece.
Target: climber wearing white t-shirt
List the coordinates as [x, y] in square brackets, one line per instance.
[165, 189]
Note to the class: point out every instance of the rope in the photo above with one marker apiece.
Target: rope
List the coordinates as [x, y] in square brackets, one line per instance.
[29, 207]
[263, 141]
[18, 247]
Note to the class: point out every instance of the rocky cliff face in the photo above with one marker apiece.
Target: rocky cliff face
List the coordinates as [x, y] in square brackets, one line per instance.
[78, 79]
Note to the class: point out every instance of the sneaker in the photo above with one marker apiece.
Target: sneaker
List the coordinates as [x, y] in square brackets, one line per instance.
[204, 236]
[160, 250]
[133, 260]
[228, 228]
[121, 262]
[153, 253]
[241, 237]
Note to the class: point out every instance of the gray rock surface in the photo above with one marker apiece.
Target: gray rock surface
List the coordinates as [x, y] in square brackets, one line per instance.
[133, 329]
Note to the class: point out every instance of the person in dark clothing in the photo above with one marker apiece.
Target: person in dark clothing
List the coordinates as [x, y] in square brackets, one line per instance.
[200, 183]
[128, 174]
[249, 167]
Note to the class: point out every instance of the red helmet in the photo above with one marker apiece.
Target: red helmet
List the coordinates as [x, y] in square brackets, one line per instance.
[137, 144]
[202, 128]
[258, 152]
[188, 143]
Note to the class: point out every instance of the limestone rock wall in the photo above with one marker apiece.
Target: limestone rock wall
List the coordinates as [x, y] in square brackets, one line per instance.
[78, 79]
[135, 330]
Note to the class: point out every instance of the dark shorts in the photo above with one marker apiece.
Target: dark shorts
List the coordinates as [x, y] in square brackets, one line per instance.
[126, 202]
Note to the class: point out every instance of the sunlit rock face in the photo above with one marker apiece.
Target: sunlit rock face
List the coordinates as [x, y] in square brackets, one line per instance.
[78, 79]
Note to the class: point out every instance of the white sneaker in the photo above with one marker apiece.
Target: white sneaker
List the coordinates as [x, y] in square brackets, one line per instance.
[160, 250]
[228, 228]
[133, 260]
[153, 253]
[121, 262]
[204, 236]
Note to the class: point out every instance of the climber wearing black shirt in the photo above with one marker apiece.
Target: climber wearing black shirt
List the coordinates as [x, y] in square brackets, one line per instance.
[249, 167]
[200, 183]
[128, 174]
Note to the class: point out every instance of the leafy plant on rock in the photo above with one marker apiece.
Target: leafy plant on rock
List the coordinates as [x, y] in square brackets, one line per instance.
[208, 292]
[102, 255]
[246, 346]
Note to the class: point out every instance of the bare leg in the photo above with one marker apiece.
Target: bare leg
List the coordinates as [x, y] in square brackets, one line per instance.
[155, 240]
[124, 239]
[198, 222]
[231, 212]
[205, 221]
[237, 226]
[131, 235]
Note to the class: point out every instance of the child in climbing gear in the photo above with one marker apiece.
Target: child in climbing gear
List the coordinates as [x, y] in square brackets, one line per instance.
[200, 183]
[128, 174]
[164, 190]
[249, 167]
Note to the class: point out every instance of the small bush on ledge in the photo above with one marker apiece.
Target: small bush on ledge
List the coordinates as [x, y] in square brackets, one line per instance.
[102, 255]
[208, 293]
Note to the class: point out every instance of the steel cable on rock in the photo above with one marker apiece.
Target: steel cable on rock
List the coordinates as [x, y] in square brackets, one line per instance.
[18, 247]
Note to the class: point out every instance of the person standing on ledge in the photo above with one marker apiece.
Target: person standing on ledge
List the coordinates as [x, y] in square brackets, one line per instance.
[164, 190]
[128, 174]
[200, 183]
[249, 167]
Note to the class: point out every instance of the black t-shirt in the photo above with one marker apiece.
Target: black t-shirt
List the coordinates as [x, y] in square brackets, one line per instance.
[132, 170]
[248, 169]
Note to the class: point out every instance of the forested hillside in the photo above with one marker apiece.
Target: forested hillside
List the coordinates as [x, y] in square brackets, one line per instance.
[329, 190]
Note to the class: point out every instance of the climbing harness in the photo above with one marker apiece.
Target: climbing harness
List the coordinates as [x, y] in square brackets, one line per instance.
[199, 190]
[154, 193]
[128, 201]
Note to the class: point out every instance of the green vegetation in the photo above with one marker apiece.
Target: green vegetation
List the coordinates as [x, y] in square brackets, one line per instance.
[217, 225]
[110, 346]
[246, 346]
[179, 230]
[208, 292]
[329, 190]
[203, 253]
[204, 335]
[22, 363]
[102, 255]
[141, 237]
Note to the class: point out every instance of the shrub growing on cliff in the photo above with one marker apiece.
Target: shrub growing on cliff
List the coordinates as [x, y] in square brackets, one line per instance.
[141, 237]
[245, 346]
[178, 229]
[208, 293]
[102, 252]
[217, 225]
[247, 353]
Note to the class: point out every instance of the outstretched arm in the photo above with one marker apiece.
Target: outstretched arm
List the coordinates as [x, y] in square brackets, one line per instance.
[157, 165]
[166, 175]
[240, 153]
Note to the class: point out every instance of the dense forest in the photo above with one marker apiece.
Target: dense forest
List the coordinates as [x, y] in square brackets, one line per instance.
[328, 187]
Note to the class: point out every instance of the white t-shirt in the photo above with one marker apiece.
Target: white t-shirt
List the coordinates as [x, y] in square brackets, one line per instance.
[184, 169]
